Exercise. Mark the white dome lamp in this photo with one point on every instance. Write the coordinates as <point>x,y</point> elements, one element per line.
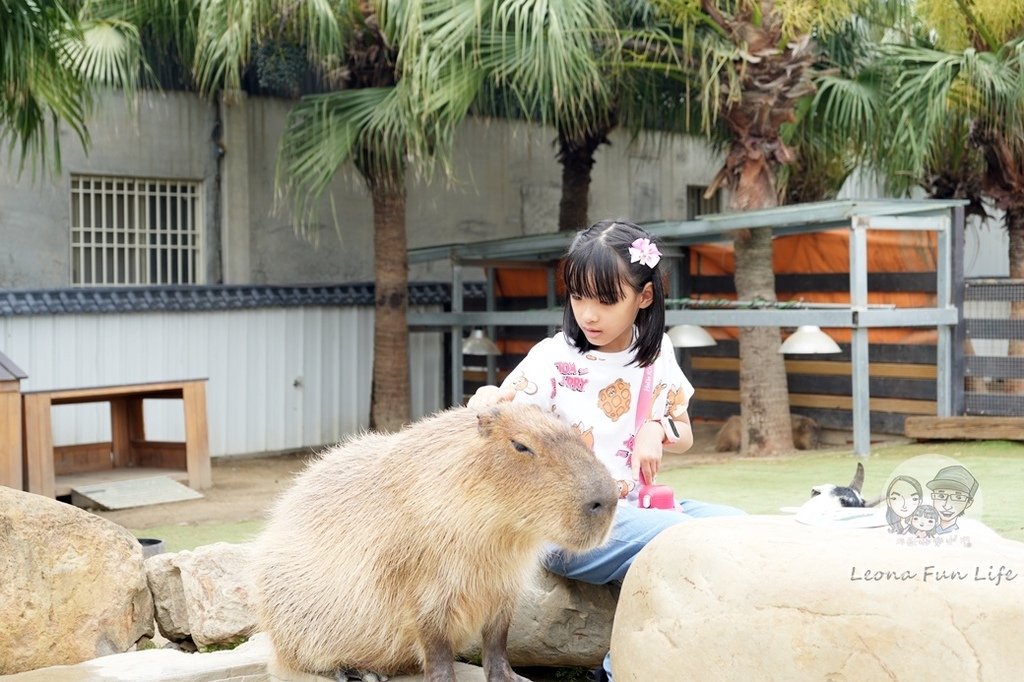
<point>477,343</point>
<point>809,340</point>
<point>690,336</point>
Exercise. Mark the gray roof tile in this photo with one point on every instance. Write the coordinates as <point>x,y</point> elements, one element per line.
<point>215,297</point>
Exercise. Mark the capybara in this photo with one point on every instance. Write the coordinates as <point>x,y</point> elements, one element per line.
<point>391,552</point>
<point>806,433</point>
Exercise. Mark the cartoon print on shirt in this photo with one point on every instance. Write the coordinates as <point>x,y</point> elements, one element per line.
<point>614,399</point>
<point>625,487</point>
<point>573,378</point>
<point>676,403</point>
<point>654,398</point>
<point>522,383</point>
<point>587,436</point>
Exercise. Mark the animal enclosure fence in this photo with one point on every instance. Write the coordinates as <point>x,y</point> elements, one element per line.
<point>993,364</point>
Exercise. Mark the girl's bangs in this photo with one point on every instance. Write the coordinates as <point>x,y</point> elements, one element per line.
<point>594,273</point>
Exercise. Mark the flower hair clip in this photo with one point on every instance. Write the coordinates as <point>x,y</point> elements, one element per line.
<point>645,252</point>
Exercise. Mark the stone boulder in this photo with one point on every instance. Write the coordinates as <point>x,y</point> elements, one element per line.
<point>73,585</point>
<point>245,663</point>
<point>768,598</point>
<point>560,622</point>
<point>205,595</point>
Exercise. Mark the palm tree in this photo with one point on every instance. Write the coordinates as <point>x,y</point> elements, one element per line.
<point>544,62</point>
<point>957,91</point>
<point>752,64</point>
<point>390,101</point>
<point>41,85</point>
<point>568,77</point>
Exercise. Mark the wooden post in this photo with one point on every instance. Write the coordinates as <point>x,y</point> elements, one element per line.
<point>11,472</point>
<point>197,449</point>
<point>39,473</point>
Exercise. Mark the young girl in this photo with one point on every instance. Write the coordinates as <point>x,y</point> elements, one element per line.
<point>590,375</point>
<point>923,521</point>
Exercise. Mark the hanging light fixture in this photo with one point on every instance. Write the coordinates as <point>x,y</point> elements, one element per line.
<point>477,343</point>
<point>690,336</point>
<point>809,339</point>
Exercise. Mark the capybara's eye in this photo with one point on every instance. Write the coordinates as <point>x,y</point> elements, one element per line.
<point>521,448</point>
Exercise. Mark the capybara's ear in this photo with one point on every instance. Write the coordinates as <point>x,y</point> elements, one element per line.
<point>486,420</point>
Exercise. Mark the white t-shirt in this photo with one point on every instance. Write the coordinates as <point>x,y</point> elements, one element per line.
<point>597,394</point>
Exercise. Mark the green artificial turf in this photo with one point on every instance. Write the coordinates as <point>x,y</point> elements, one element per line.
<point>181,537</point>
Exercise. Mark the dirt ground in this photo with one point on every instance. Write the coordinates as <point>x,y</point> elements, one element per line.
<point>244,488</point>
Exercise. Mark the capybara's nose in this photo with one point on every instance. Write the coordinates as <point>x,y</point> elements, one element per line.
<point>601,503</point>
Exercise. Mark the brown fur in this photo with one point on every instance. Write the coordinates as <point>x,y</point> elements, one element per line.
<point>392,551</point>
<point>806,433</point>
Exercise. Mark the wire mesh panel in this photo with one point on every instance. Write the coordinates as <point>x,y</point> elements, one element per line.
<point>994,347</point>
<point>135,231</point>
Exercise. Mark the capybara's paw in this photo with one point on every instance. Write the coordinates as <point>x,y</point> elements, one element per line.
<point>360,675</point>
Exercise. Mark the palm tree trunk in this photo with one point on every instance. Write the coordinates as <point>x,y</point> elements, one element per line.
<point>572,208</point>
<point>576,155</point>
<point>389,402</point>
<point>764,394</point>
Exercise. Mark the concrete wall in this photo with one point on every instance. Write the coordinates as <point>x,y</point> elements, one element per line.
<point>170,137</point>
<point>506,184</point>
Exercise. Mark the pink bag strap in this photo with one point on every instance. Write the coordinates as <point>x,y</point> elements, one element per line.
<point>643,404</point>
<point>643,401</point>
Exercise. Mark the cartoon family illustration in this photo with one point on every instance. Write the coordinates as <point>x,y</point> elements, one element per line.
<point>909,513</point>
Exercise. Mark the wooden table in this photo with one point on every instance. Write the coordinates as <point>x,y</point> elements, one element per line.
<point>128,446</point>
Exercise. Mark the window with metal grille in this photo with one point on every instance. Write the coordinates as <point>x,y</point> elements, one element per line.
<point>697,205</point>
<point>135,231</point>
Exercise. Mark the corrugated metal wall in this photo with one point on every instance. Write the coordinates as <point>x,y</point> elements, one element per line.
<point>279,379</point>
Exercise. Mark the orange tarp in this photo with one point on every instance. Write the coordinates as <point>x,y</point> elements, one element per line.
<point>829,252</point>
<point>826,252</point>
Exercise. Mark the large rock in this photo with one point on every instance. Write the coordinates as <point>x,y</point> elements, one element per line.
<point>560,622</point>
<point>245,663</point>
<point>72,585</point>
<point>252,661</point>
<point>767,598</point>
<point>205,595</point>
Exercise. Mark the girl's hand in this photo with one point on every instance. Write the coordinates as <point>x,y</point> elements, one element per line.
<point>647,451</point>
<point>486,396</point>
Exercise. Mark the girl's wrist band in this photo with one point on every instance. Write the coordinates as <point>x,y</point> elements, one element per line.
<point>668,427</point>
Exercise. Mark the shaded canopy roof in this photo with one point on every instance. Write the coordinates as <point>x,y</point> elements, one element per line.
<point>784,220</point>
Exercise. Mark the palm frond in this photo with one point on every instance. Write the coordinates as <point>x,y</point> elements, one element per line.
<point>548,57</point>
<point>109,54</point>
<point>225,32</point>
<point>366,127</point>
<point>40,87</point>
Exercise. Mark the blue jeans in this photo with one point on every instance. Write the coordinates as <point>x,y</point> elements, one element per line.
<point>632,529</point>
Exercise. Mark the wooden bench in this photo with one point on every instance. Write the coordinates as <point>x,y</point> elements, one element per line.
<point>965,428</point>
<point>128,447</point>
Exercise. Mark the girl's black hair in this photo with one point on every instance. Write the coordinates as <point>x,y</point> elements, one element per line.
<point>597,266</point>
